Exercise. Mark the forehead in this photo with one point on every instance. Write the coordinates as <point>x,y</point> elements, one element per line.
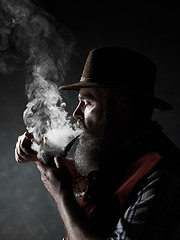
<point>91,93</point>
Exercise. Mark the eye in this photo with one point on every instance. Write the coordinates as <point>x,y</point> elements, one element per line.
<point>87,103</point>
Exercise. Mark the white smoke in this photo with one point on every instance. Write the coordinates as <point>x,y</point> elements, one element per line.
<point>46,53</point>
<point>45,116</point>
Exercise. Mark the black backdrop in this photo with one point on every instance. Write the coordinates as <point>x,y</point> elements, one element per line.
<point>27,211</point>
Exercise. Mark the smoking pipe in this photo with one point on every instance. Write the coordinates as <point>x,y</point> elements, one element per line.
<point>63,153</point>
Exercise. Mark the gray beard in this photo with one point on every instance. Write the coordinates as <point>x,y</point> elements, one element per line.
<point>91,151</point>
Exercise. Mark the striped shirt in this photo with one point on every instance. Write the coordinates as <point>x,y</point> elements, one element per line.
<point>130,226</point>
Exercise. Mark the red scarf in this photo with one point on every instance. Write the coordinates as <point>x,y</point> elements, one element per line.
<point>137,171</point>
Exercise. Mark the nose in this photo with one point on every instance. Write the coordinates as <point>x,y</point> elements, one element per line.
<point>78,113</point>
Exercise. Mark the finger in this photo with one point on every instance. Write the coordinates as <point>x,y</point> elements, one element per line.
<point>16,154</point>
<point>71,167</point>
<point>23,151</point>
<point>25,134</point>
<point>20,151</point>
<point>19,138</point>
<point>28,135</point>
<point>25,145</point>
<point>59,161</point>
<point>24,157</point>
<point>18,158</point>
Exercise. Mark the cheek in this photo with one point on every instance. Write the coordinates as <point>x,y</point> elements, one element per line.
<point>89,119</point>
<point>92,118</point>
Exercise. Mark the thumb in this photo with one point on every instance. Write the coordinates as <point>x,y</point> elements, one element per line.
<point>61,165</point>
<point>59,161</point>
<point>28,135</point>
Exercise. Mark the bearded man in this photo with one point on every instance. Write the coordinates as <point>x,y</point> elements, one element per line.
<point>125,167</point>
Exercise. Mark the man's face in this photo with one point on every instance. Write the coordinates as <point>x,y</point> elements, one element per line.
<point>90,108</point>
<point>92,146</point>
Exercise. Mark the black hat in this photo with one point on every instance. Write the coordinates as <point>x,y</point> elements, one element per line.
<point>122,68</point>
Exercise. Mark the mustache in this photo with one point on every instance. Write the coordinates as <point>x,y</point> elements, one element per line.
<point>81,125</point>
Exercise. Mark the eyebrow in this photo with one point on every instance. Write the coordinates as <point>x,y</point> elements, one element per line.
<point>86,96</point>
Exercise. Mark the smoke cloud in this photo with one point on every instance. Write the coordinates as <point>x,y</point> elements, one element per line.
<point>28,34</point>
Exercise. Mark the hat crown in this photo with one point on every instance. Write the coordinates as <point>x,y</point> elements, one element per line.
<point>120,67</point>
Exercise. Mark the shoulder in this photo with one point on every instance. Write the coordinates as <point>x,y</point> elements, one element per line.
<point>154,212</point>
<point>131,225</point>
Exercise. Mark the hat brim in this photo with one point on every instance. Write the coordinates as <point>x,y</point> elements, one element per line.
<point>159,104</point>
<point>77,86</point>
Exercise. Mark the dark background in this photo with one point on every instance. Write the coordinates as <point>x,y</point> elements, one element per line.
<point>27,211</point>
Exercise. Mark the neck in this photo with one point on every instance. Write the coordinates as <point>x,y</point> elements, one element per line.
<point>125,151</point>
<point>125,135</point>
